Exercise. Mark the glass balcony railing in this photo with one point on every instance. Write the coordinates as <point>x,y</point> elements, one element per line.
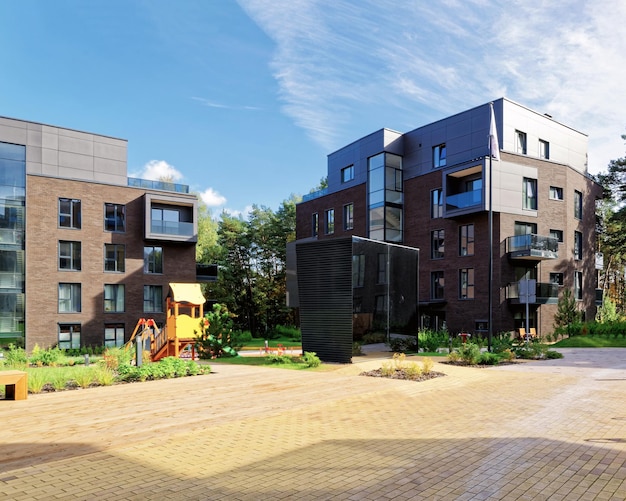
<point>533,246</point>
<point>157,185</point>
<point>314,195</point>
<point>464,200</point>
<point>171,228</point>
<point>545,292</point>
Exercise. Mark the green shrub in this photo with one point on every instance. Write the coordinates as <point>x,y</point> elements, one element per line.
<point>470,353</point>
<point>374,338</point>
<point>413,370</point>
<point>50,357</point>
<point>311,359</point>
<point>431,341</point>
<point>83,376</point>
<point>59,379</point>
<point>388,369</point>
<point>402,344</point>
<point>274,358</point>
<point>285,331</point>
<point>427,365</point>
<point>215,336</point>
<point>487,358</point>
<point>116,357</point>
<point>104,376</point>
<point>15,357</point>
<point>551,354</point>
<point>36,380</point>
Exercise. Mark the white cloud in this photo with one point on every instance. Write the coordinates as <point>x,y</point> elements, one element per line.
<point>339,62</point>
<point>212,198</point>
<point>159,169</point>
<point>245,214</point>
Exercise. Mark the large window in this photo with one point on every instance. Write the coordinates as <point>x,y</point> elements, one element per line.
<point>348,217</point>
<point>347,174</point>
<point>529,194</point>
<point>114,298</point>
<point>69,255</point>
<point>69,213</point>
<point>114,255</point>
<point>385,197</point>
<point>466,283</point>
<point>439,156</point>
<point>544,149</point>
<point>436,203</point>
<point>437,240</point>
<point>69,298</point>
<point>113,335</point>
<point>152,298</point>
<point>69,336</point>
<point>520,142</point>
<point>329,221</point>
<point>578,205</point>
<point>153,259</point>
<point>436,285</point>
<point>114,217</point>
<point>578,245</point>
<point>315,224</point>
<point>466,240</point>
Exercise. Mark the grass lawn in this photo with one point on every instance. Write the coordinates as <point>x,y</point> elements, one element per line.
<point>264,361</point>
<point>257,343</point>
<point>590,342</point>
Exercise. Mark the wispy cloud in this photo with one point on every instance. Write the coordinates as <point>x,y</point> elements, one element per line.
<point>212,104</point>
<point>335,62</point>
<point>157,170</point>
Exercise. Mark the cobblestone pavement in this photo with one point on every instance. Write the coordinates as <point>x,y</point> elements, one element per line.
<point>532,431</point>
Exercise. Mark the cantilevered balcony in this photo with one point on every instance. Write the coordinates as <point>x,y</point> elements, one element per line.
<point>464,200</point>
<point>532,247</point>
<point>545,292</point>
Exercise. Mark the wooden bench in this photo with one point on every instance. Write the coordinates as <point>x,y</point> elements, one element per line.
<point>15,384</point>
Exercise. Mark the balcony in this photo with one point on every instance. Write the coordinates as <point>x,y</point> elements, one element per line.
<point>171,218</point>
<point>546,293</point>
<point>316,194</point>
<point>157,185</point>
<point>532,247</point>
<point>206,273</point>
<point>599,297</point>
<point>464,200</point>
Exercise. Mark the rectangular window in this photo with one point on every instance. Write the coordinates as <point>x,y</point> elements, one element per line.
<point>69,213</point>
<point>439,156</point>
<point>466,283</point>
<point>556,193</point>
<point>348,217</point>
<point>544,149</point>
<point>558,234</point>
<point>358,270</point>
<point>521,228</point>
<point>113,335</point>
<point>114,217</point>
<point>556,278</point>
<point>315,224</point>
<point>114,298</point>
<point>347,174</point>
<point>69,255</point>
<point>466,240</point>
<point>69,336</point>
<point>436,203</point>
<point>153,259</point>
<point>578,285</point>
<point>529,194</point>
<point>329,226</point>
<point>69,298</point>
<point>382,269</point>
<point>152,298</point>
<point>437,239</point>
<point>520,142</point>
<point>578,245</point>
<point>114,255</point>
<point>436,285</point>
<point>578,205</point>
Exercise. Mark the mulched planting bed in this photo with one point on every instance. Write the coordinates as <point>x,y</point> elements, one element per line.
<point>401,374</point>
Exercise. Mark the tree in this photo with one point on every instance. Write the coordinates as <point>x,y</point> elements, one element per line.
<point>607,312</point>
<point>566,312</point>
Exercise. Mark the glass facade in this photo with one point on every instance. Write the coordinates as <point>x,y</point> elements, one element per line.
<point>385,197</point>
<point>12,227</point>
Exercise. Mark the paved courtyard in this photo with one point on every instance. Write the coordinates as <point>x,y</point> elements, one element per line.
<point>532,431</point>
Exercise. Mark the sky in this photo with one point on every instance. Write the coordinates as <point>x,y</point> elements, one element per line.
<point>243,100</point>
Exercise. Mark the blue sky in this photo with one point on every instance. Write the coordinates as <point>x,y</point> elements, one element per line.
<point>243,100</point>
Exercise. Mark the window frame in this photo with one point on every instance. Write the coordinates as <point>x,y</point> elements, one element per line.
<point>67,344</point>
<point>75,263</point>
<point>558,234</point>
<point>149,298</point>
<point>544,149</point>
<point>436,203</point>
<point>556,193</point>
<point>469,240</point>
<point>73,215</point>
<point>119,264</point>
<point>437,242</point>
<point>578,245</point>
<point>437,285</point>
<point>529,202</point>
<point>557,277</point>
<point>347,174</point>
<point>468,286</point>
<point>74,299</point>
<point>348,216</point>
<point>315,224</point>
<point>578,204</point>
<point>439,156</point>
<point>111,293</point>
<point>578,285</point>
<point>117,341</point>
<point>115,219</point>
<point>329,221</point>
<point>521,142</point>
<point>147,261</point>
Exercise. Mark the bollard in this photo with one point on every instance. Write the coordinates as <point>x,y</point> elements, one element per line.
<point>138,350</point>
<point>86,360</point>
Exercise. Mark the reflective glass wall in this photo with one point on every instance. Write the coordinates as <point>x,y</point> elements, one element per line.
<point>12,226</point>
<point>385,197</point>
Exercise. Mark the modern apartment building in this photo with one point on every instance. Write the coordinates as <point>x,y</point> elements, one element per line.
<point>85,251</point>
<point>432,188</point>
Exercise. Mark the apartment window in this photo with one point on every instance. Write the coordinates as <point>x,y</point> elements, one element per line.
<point>315,224</point>
<point>113,335</point>
<point>358,270</point>
<point>466,283</point>
<point>114,298</point>
<point>69,255</point>
<point>69,336</point>
<point>69,298</point>
<point>544,149</point>
<point>114,255</point>
<point>381,304</point>
<point>556,193</point>
<point>558,234</point>
<point>529,193</point>
<point>436,203</point>
<point>556,278</point>
<point>436,285</point>
<point>347,174</point>
<point>466,240</point>
<point>329,221</point>
<point>114,217</point>
<point>69,213</point>
<point>520,142</point>
<point>578,285</point>
<point>348,217</point>
<point>381,277</point>
<point>439,156</point>
<point>578,245</point>
<point>578,205</point>
<point>521,228</point>
<point>437,244</point>
<point>152,298</point>
<point>153,259</point>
